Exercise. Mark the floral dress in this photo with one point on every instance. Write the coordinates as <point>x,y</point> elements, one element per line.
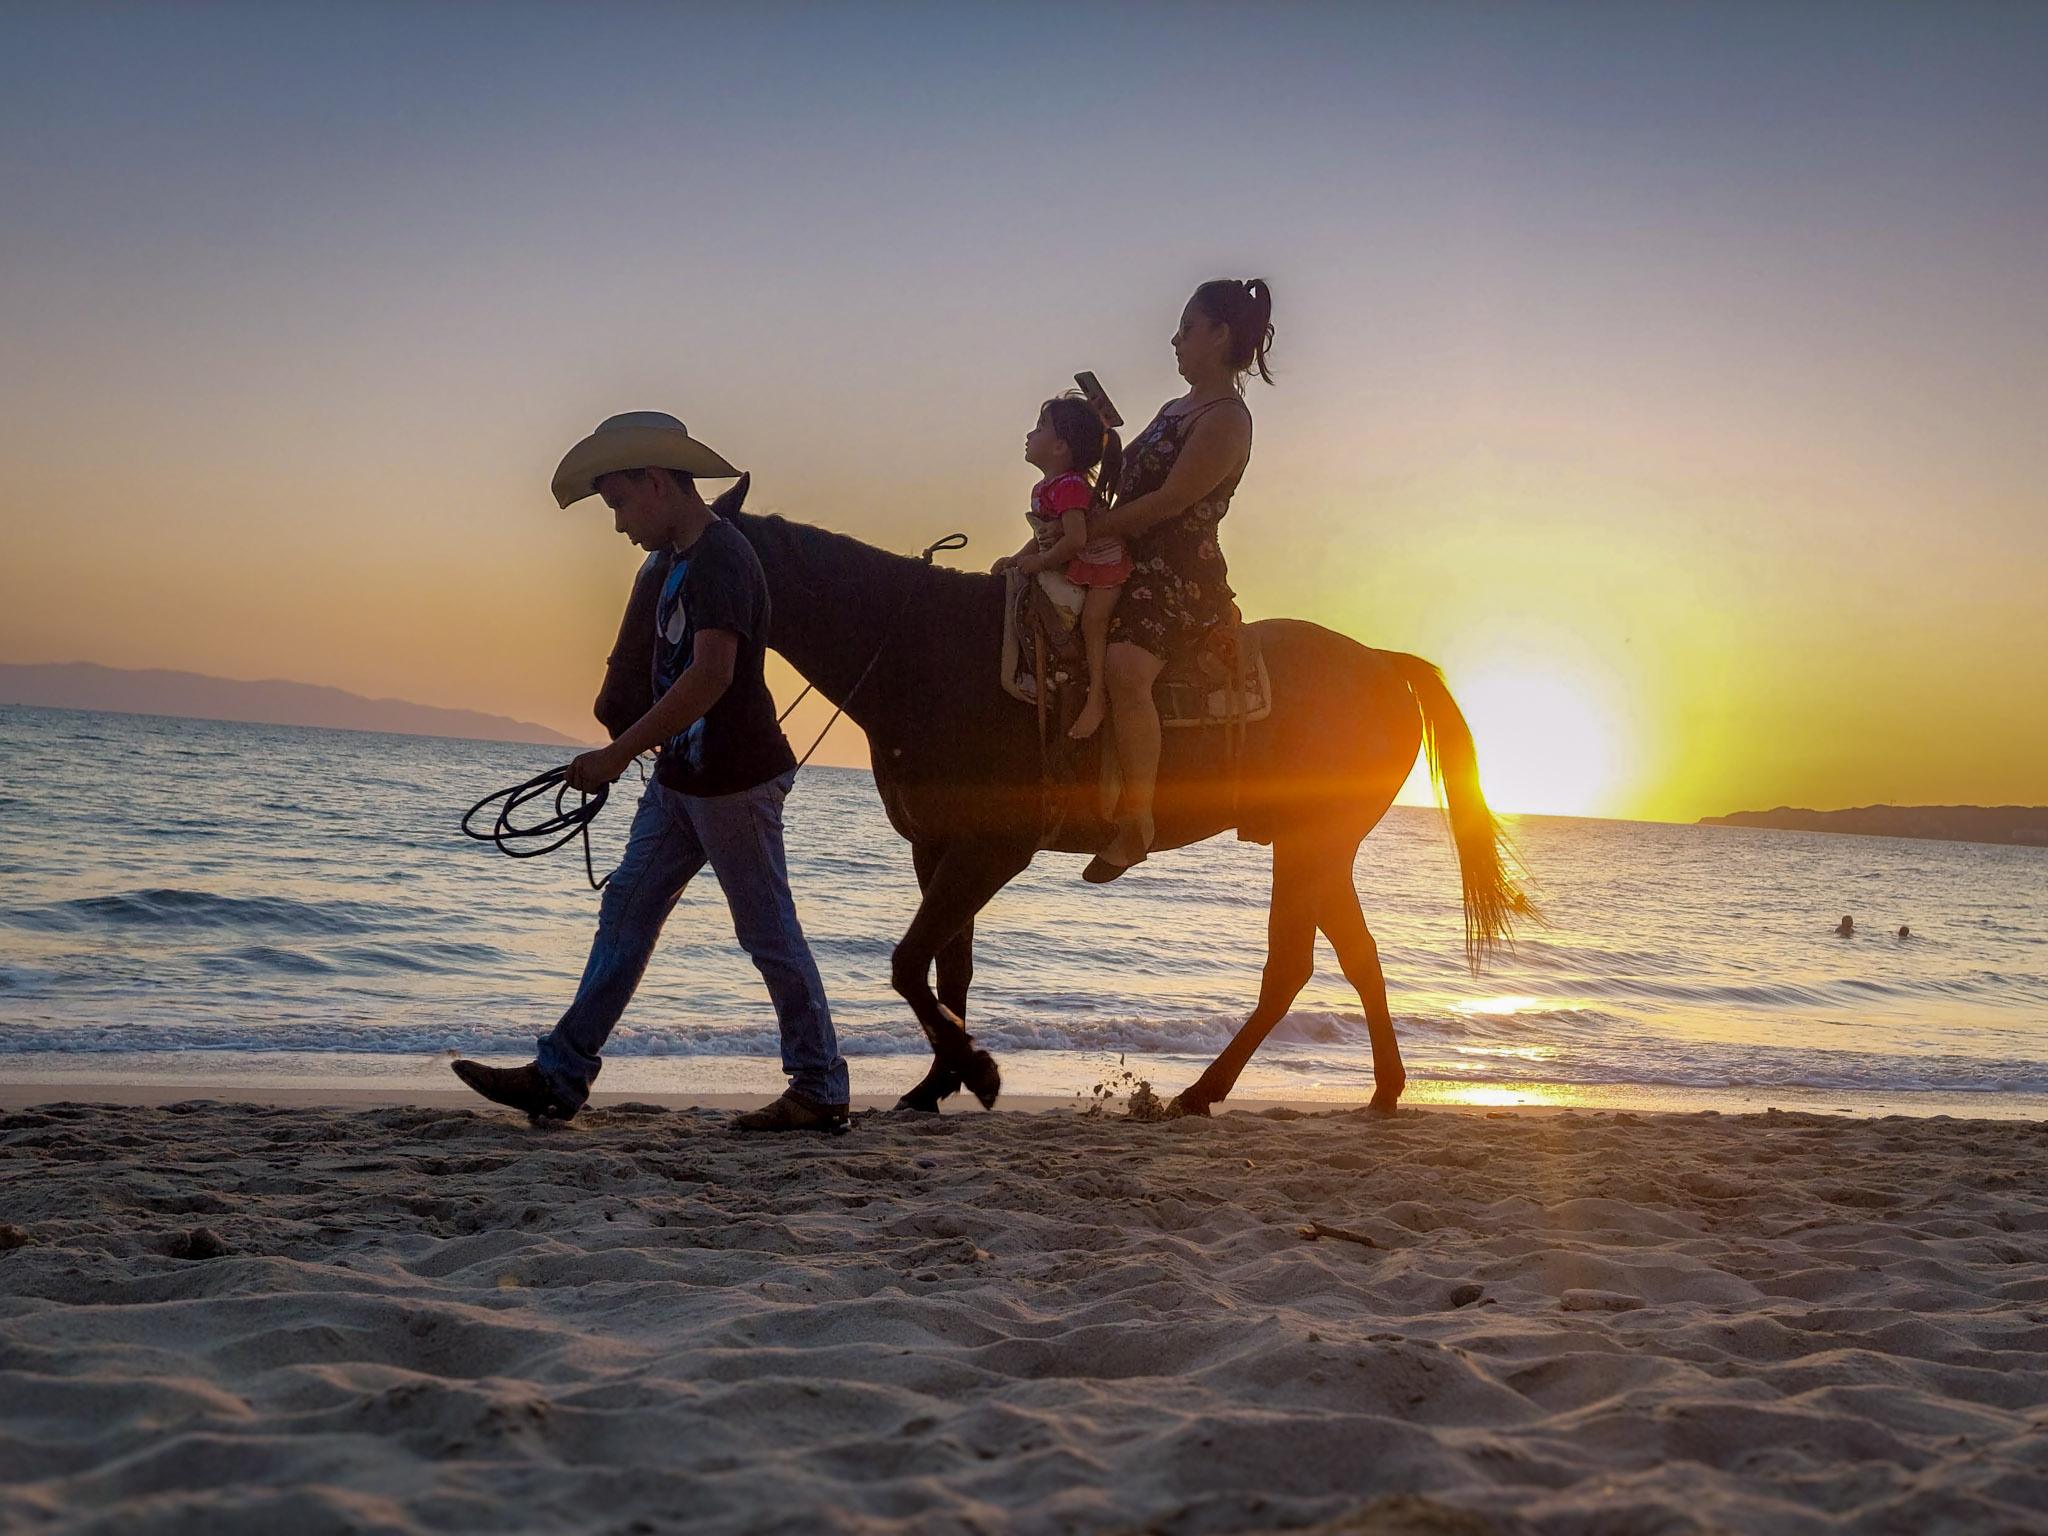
<point>1178,589</point>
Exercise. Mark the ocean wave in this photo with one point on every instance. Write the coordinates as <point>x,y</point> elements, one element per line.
<point>1056,1022</point>
<point>1328,1046</point>
<point>438,955</point>
<point>1820,995</point>
<point>1856,1073</point>
<point>264,960</point>
<point>370,1039</point>
<point>172,907</point>
<point>890,1035</point>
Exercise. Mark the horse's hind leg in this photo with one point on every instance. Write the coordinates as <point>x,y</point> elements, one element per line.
<point>1344,926</point>
<point>958,881</point>
<point>1299,868</point>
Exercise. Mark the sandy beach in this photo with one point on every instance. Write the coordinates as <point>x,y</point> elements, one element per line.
<point>235,1317</point>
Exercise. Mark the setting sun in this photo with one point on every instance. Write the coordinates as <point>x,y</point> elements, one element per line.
<point>1548,744</point>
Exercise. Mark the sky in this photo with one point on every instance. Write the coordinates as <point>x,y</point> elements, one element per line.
<point>1671,375</point>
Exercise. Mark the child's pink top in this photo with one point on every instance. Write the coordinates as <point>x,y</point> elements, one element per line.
<point>1052,499</point>
<point>1103,563</point>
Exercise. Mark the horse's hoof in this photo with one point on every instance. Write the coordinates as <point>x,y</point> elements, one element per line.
<point>1384,1103</point>
<point>1187,1104</point>
<point>984,1079</point>
<point>926,1097</point>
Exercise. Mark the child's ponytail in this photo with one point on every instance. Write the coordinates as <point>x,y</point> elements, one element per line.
<point>1111,470</point>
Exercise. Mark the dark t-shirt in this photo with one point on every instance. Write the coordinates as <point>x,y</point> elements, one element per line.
<point>717,583</point>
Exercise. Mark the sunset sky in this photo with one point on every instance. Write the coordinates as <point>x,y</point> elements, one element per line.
<point>1674,376</point>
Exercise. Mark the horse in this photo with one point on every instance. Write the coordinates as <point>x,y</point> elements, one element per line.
<point>911,652</point>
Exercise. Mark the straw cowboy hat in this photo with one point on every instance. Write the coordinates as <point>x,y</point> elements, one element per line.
<point>636,440</point>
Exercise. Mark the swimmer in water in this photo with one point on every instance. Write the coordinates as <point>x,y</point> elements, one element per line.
<point>1846,928</point>
<point>1905,932</point>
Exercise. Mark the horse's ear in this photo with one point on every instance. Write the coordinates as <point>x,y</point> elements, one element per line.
<point>729,501</point>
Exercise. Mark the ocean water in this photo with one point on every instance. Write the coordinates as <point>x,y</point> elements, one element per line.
<point>207,902</point>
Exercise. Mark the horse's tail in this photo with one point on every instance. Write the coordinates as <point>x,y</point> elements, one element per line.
<point>1486,858</point>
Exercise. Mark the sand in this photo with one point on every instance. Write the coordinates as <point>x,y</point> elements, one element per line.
<point>229,1318</point>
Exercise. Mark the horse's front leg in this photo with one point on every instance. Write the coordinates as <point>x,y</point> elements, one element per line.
<point>956,971</point>
<point>958,881</point>
<point>956,955</point>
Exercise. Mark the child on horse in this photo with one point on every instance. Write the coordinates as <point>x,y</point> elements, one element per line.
<point>1069,441</point>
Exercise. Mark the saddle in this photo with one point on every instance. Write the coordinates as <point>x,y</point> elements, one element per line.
<point>1224,683</point>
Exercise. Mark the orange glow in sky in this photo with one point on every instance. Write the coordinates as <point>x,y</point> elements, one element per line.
<point>1701,448</point>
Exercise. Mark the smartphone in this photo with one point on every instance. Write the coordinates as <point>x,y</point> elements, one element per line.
<point>1092,388</point>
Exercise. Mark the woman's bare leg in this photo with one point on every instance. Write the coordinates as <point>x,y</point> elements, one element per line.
<point>1096,608</point>
<point>1132,671</point>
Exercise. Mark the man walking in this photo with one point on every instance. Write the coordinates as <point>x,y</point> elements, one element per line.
<point>716,795</point>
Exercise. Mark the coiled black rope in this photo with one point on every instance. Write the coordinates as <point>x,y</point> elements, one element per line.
<point>570,822</point>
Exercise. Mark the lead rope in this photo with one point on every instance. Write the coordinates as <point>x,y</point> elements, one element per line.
<point>568,822</point>
<point>573,821</point>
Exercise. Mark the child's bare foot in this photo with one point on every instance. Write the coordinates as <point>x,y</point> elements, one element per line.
<point>1089,721</point>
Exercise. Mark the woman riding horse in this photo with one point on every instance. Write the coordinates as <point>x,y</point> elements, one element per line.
<point>1177,481</point>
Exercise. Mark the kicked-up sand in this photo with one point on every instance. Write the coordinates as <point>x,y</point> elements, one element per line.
<point>220,1318</point>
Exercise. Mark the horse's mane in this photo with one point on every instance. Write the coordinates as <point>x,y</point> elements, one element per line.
<point>822,558</point>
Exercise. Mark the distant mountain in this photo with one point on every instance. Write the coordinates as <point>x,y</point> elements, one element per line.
<point>2023,824</point>
<point>120,690</point>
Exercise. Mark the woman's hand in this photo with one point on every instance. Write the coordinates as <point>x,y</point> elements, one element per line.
<point>1218,446</point>
<point>1003,563</point>
<point>593,770</point>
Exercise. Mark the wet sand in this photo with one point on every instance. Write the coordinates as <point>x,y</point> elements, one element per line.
<point>433,1317</point>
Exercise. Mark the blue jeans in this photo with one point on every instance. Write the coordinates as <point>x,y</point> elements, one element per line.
<point>675,835</point>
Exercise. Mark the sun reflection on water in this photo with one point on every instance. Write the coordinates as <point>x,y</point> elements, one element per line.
<point>1496,1095</point>
<point>1504,1006</point>
<point>1494,1052</point>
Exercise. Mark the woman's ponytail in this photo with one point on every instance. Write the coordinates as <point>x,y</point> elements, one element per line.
<point>1260,303</point>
